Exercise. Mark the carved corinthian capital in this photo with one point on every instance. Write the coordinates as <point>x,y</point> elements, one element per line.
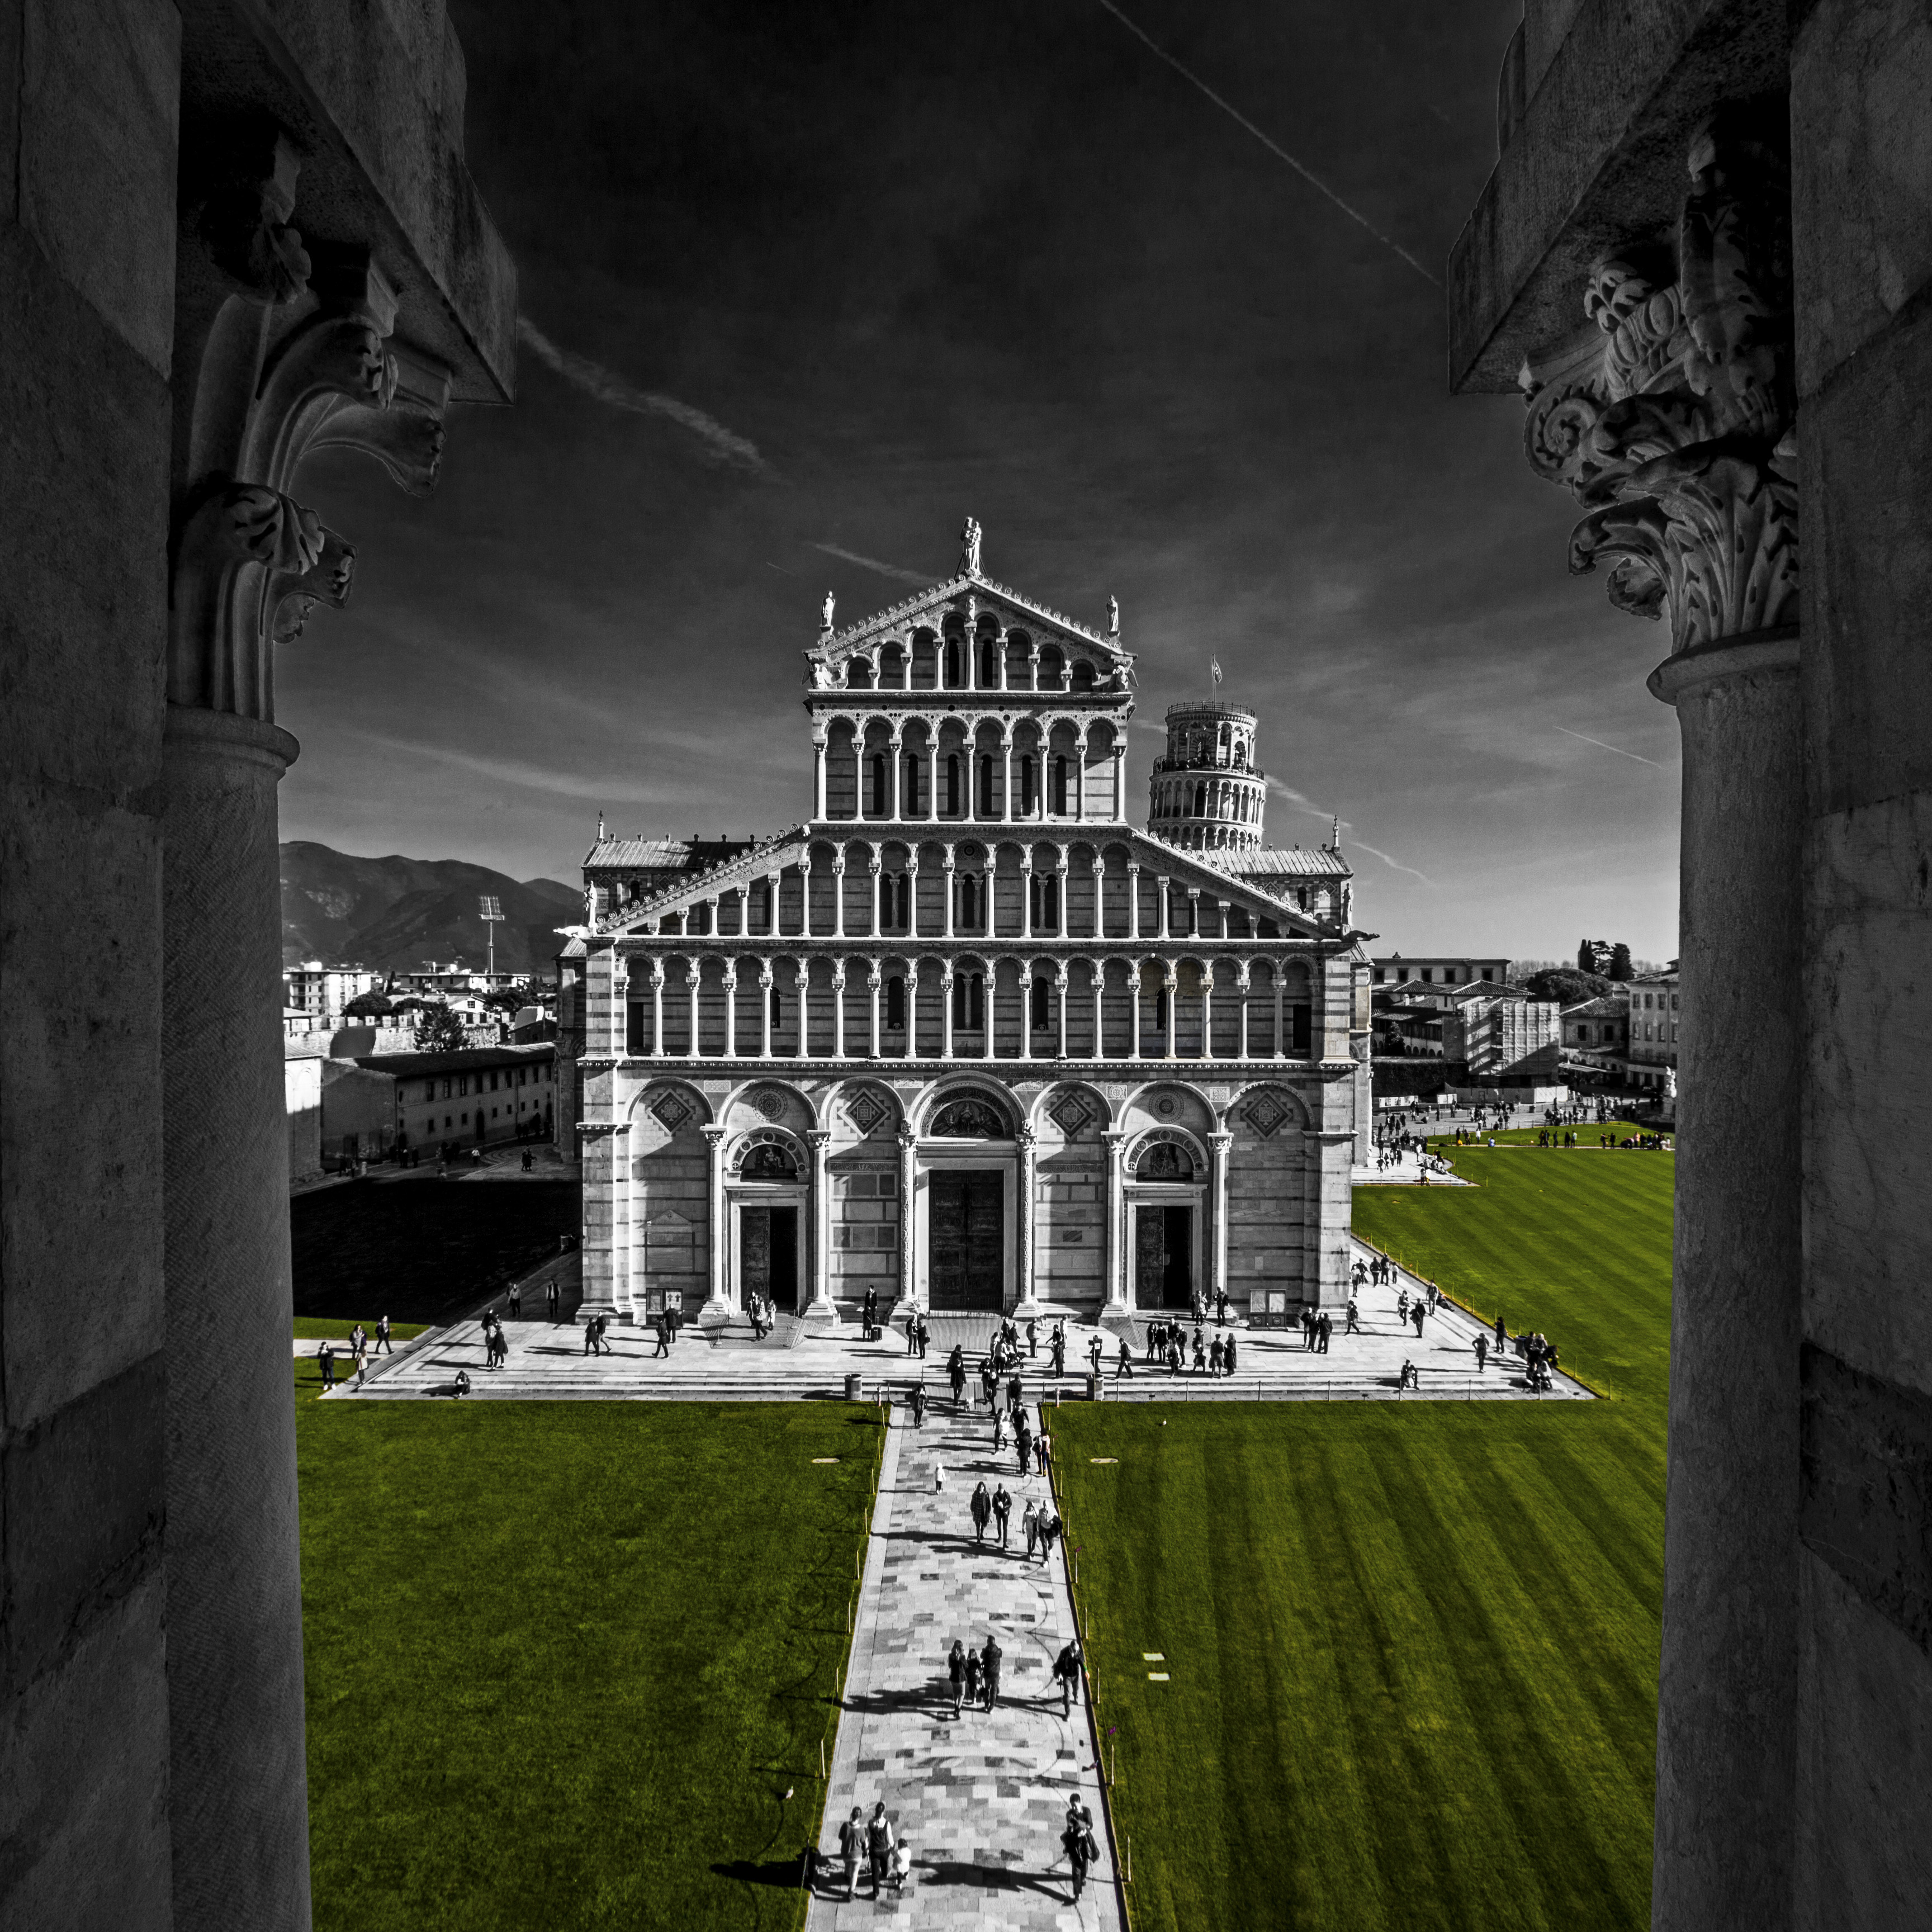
<point>1669,416</point>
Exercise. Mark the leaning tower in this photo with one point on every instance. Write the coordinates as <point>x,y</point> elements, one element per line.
<point>1206,794</point>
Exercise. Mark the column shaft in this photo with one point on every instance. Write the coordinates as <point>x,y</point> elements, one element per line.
<point>1218,1145</point>
<point>717,1304</point>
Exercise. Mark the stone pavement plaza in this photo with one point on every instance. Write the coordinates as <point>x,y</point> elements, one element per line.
<point>547,1362</point>
<point>979,1801</point>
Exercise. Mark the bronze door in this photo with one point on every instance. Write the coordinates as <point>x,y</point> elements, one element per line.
<point>967,1230</point>
<point>1163,1257</point>
<point>768,1255</point>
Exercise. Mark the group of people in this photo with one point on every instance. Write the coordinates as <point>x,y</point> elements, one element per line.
<point>495,1343</point>
<point>358,1350</point>
<point>992,1511</point>
<point>1168,1341</point>
<point>870,1846</point>
<point>594,1342</point>
<point>762,1312</point>
<point>917,1333</point>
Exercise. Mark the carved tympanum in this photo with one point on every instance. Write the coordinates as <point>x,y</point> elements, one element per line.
<point>1669,417</point>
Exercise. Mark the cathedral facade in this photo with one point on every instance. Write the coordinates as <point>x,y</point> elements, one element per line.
<point>966,1036</point>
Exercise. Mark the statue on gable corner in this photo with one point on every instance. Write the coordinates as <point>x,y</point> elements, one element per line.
<point>969,549</point>
<point>826,608</point>
<point>1113,616</point>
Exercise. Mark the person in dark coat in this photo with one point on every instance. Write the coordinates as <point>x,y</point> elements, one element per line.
<point>382,1336</point>
<point>955,1672</point>
<point>981,1507</point>
<point>989,1670</point>
<point>1067,1668</point>
<point>972,1679</point>
<point>1227,1356</point>
<point>325,1355</point>
<point>1002,1511</point>
<point>1076,1841</point>
<point>955,1370</point>
<point>1023,1441</point>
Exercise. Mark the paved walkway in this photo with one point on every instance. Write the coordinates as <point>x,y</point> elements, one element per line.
<point>547,1362</point>
<point>979,1801</point>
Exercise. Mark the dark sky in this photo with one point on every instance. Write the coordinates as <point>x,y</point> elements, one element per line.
<point>889,265</point>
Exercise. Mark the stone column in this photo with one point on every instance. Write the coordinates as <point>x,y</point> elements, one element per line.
<point>764,1010</point>
<point>1098,864</point>
<point>1163,885</point>
<point>1170,981</point>
<point>1060,981</point>
<point>1133,901</point>
<point>1133,1009</point>
<point>1671,417</point>
<point>1119,779</point>
<point>1218,1145</point>
<point>1241,988</point>
<point>818,775</point>
<point>802,987</point>
<point>946,1002</point>
<point>1029,926</point>
<point>838,892</point>
<point>775,881</point>
<point>910,1286</point>
<point>896,753</point>
<point>1117,1317</point>
<point>951,865</point>
<point>694,974</point>
<point>874,979</point>
<point>1006,763</point>
<point>876,867</point>
<point>717,1309</point>
<point>1207,1013</point>
<point>838,1009</point>
<point>1026,1216</point>
<point>1193,912</point>
<point>1280,1010</point>
<point>730,1010</point>
<point>1098,967</point>
<point>605,1146</point>
<point>912,892</point>
<point>1060,870</point>
<point>657,1008</point>
<point>1023,965</point>
<point>822,1312</point>
<point>1080,776</point>
<point>805,893</point>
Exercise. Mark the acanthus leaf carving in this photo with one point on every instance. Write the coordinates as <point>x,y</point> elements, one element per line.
<point>1669,417</point>
<point>293,594</point>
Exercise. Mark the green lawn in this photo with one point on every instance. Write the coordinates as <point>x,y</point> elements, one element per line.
<point>1412,1650</point>
<point>322,1328</point>
<point>564,1659</point>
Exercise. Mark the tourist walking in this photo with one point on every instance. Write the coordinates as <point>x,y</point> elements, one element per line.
<point>1066,1675</point>
<point>972,1680</point>
<point>382,1336</point>
<point>924,1332</point>
<point>879,1846</point>
<point>1059,1347</point>
<point>1227,1356</point>
<point>1325,1328</point>
<point>955,1372</point>
<point>999,1428</point>
<point>1032,1337</point>
<point>1030,1522</point>
<point>1003,1510</point>
<point>918,1405</point>
<point>1022,1441</point>
<point>516,1299</point>
<point>1078,1841</point>
<point>852,1848</point>
<point>981,1509</point>
<point>1123,1361</point>
<point>912,1332</point>
<point>1354,1322</point>
<point>1043,1448</point>
<point>955,1672</point>
<point>989,1670</point>
<point>550,1299</point>
<point>325,1355</point>
<point>590,1336</point>
<point>1416,1314</point>
<point>1482,1350</point>
<point>661,1328</point>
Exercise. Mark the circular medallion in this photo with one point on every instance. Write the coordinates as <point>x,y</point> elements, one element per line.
<point>769,1103</point>
<point>1164,1106</point>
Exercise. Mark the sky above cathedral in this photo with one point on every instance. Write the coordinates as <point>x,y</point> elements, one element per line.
<point>803,287</point>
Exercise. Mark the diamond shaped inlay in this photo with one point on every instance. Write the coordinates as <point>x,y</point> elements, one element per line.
<point>1069,1113</point>
<point>866,1110</point>
<point>1266,1113</point>
<point>672,1111</point>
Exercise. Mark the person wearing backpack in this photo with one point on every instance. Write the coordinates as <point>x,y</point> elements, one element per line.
<point>879,1846</point>
<point>852,1848</point>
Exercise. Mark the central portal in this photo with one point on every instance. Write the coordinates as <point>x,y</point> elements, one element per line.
<point>1163,1257</point>
<point>768,1256</point>
<point>968,1230</point>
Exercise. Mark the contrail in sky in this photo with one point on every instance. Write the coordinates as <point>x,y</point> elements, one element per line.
<point>606,385</point>
<point>1618,748</point>
<point>1302,802</point>
<point>1272,146</point>
<point>919,577</point>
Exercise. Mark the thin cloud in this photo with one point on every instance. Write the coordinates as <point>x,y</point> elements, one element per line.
<point>1301,801</point>
<point>1618,748</point>
<point>921,578</point>
<point>606,386</point>
<point>1274,147</point>
<point>603,790</point>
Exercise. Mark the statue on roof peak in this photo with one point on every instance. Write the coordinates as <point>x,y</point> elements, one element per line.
<point>1113,616</point>
<point>969,549</point>
<point>825,610</point>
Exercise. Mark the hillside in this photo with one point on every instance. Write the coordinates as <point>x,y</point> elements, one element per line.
<point>395,913</point>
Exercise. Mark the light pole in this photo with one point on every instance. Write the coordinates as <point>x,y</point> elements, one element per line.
<point>493,911</point>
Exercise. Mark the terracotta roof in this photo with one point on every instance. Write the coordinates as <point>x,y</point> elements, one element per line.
<point>464,1060</point>
<point>663,854</point>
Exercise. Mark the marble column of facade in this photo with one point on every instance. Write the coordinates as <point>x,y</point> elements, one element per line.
<point>1060,871</point>
<point>1080,777</point>
<point>765,982</point>
<point>802,993</point>
<point>1098,968</point>
<point>730,1009</point>
<point>1060,986</point>
<point>1030,926</point>
<point>951,867</point>
<point>838,892</point>
<point>1170,985</point>
<point>1280,1010</point>
<point>896,753</point>
<point>1164,889</point>
<point>910,1287</point>
<point>1023,967</point>
<point>838,1009</point>
<point>1207,1013</point>
<point>1133,901</point>
<point>1007,768</point>
<point>1242,989</point>
<point>805,894</point>
<point>1116,1318</point>
<point>822,1312</point>
<point>876,866</point>
<point>1026,1182</point>
<point>717,1309</point>
<point>946,1005</point>
<point>694,974</point>
<point>1120,780</point>
<point>1133,1009</point>
<point>657,1008</point>
<point>1218,1145</point>
<point>818,776</point>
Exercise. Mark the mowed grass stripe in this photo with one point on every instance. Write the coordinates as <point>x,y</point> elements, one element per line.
<point>1413,1648</point>
<point>564,1658</point>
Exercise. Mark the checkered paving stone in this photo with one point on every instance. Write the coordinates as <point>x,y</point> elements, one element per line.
<point>979,1800</point>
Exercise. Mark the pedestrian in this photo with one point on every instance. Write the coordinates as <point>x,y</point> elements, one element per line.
<point>879,1846</point>
<point>989,1670</point>
<point>550,1299</point>
<point>1401,1308</point>
<point>1093,1348</point>
<point>1030,1522</point>
<point>1075,1839</point>
<point>590,1335</point>
<point>972,1680</point>
<point>955,1674</point>
<point>981,1508</point>
<point>1502,1335</point>
<point>1325,1327</point>
<point>924,1333</point>
<point>871,1312</point>
<point>1042,1447</point>
<point>382,1336</point>
<point>1420,1309</point>
<point>1049,1528</point>
<point>999,1428</point>
<point>1003,1510</point>
<point>1227,1356</point>
<point>1033,1337</point>
<point>851,1848</point>
<point>1221,1308</point>
<point>1023,1442</point>
<point>939,1479</point>
<point>462,1387</point>
<point>1066,1675</point>
<point>1060,1348</point>
<point>1014,1391</point>
<point>955,1370</point>
<point>1354,1322</point>
<point>918,1405</point>
<point>1123,1361</point>
<point>358,1341</point>
<point>661,1328</point>
<point>912,1333</point>
<point>516,1299</point>
<point>325,1355</point>
<point>1200,1354</point>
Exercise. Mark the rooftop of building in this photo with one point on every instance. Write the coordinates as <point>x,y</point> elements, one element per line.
<point>1282,862</point>
<point>463,1059</point>
<point>665,855</point>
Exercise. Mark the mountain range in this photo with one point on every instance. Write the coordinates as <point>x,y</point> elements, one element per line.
<point>394,914</point>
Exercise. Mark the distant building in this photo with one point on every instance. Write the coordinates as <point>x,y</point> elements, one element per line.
<point>476,1096</point>
<point>1596,1033</point>
<point>1654,1011</point>
<point>1395,971</point>
<point>1504,1035</point>
<point>302,1088</point>
<point>322,992</point>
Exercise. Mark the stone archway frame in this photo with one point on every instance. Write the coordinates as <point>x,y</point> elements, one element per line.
<point>930,1153</point>
<point>695,1111</point>
<point>746,1090</point>
<point>1299,1122</point>
<point>1196,1193</point>
<point>735,1192</point>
